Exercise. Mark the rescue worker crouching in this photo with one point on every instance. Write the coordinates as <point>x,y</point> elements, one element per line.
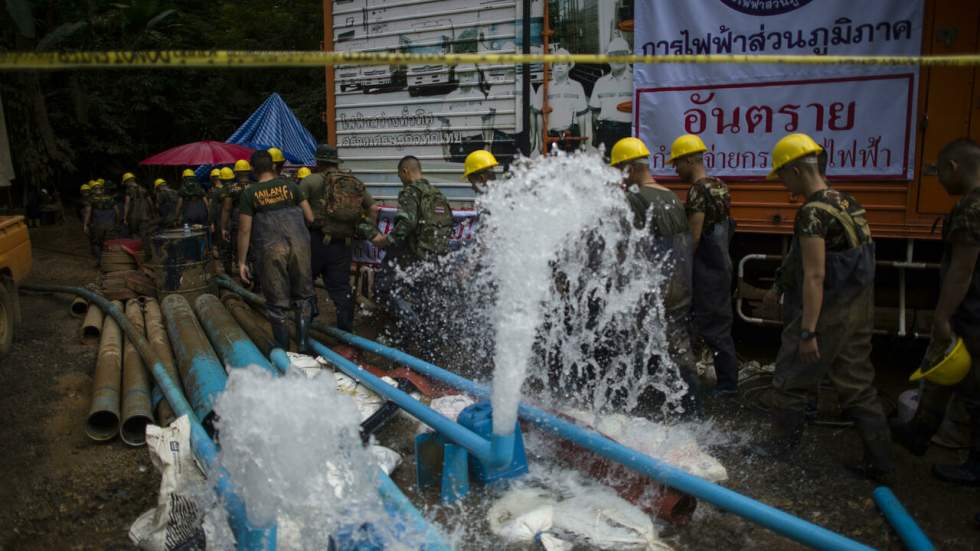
<point>193,204</point>
<point>658,210</point>
<point>137,211</point>
<point>342,211</point>
<point>827,284</point>
<point>708,215</point>
<point>276,212</point>
<point>956,314</point>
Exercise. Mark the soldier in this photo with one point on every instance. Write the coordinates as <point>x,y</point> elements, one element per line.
<point>827,283</point>
<point>243,172</point>
<point>193,204</point>
<point>423,225</point>
<point>478,170</point>
<point>138,210</point>
<point>214,178</point>
<point>342,210</point>
<point>280,213</point>
<point>166,199</point>
<point>610,92</point>
<point>708,206</point>
<point>99,220</point>
<point>303,172</point>
<point>658,210</point>
<point>957,313</point>
<point>230,213</point>
<point>85,194</point>
<point>278,160</point>
<point>226,177</point>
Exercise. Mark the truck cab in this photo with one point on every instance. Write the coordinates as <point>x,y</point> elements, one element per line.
<point>15,265</point>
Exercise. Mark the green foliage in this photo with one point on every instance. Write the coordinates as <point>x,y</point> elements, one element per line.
<point>68,127</point>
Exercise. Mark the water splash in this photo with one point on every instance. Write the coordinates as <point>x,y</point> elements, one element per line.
<point>292,448</point>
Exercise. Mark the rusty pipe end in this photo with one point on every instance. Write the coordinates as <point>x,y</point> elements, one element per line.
<point>133,430</point>
<point>102,425</point>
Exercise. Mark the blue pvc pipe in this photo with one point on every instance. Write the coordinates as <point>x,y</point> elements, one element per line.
<point>474,443</point>
<point>399,507</point>
<point>228,338</point>
<point>903,523</point>
<point>770,517</point>
<point>279,359</point>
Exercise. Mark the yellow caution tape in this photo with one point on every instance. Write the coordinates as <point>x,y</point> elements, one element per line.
<point>13,61</point>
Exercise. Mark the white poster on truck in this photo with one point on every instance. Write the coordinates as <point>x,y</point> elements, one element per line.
<point>863,115</point>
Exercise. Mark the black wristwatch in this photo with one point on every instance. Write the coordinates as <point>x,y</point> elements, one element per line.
<point>807,335</point>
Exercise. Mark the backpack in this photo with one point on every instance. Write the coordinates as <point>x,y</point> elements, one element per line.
<point>435,222</point>
<point>344,198</point>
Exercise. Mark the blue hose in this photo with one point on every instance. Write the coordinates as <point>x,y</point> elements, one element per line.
<point>903,523</point>
<point>774,519</point>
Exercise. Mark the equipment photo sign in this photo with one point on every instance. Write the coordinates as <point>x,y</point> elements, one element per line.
<point>863,115</point>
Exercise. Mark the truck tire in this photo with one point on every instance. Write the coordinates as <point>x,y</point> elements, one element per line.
<point>7,316</point>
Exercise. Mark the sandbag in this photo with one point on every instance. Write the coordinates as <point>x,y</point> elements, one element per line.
<point>606,521</point>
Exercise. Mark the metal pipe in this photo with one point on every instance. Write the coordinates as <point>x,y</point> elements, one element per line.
<point>103,416</point>
<point>79,307</point>
<point>137,411</point>
<point>247,537</point>
<point>903,523</point>
<point>156,334</point>
<point>200,370</point>
<point>232,343</point>
<point>256,326</point>
<point>767,516</point>
<point>92,325</point>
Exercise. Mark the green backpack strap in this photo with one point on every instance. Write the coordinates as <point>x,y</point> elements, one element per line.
<point>846,220</point>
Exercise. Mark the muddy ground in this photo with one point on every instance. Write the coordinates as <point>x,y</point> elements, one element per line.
<point>58,490</point>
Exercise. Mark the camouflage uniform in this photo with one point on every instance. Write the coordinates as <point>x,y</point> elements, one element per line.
<point>167,205</point>
<point>229,249</point>
<point>279,231</point>
<point>330,242</point>
<point>193,210</point>
<point>139,216</point>
<point>662,213</point>
<point>711,307</point>
<point>961,226</point>
<point>844,327</point>
<point>102,221</point>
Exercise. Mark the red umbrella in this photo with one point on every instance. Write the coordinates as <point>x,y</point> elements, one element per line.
<point>200,153</point>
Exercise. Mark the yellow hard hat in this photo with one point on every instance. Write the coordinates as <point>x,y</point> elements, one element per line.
<point>86,187</point>
<point>628,149</point>
<point>791,148</point>
<point>100,181</point>
<point>226,174</point>
<point>128,176</point>
<point>303,172</point>
<point>686,145</point>
<point>215,172</point>
<point>187,173</point>
<point>477,161</point>
<point>159,182</point>
<point>951,369</point>
<point>242,165</point>
<point>276,154</point>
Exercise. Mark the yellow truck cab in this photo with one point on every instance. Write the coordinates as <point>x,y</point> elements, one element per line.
<point>15,265</point>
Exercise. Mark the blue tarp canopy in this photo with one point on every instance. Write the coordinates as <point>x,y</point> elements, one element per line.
<point>273,124</point>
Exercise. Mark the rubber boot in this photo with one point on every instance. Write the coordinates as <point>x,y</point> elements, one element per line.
<point>916,434</point>
<point>878,464</point>
<point>281,334</point>
<point>787,432</point>
<point>302,331</point>
<point>967,474</point>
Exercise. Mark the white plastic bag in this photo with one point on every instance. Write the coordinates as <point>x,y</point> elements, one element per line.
<point>606,521</point>
<point>521,514</point>
<point>177,519</point>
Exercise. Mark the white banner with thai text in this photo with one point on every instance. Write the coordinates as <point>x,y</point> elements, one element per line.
<point>862,114</point>
<point>464,229</point>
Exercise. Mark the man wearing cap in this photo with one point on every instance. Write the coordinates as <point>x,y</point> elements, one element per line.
<point>658,210</point>
<point>137,210</point>
<point>478,170</point>
<point>342,211</point>
<point>708,206</point>
<point>956,315</point>
<point>214,178</point>
<point>278,159</point>
<point>827,284</point>
<point>99,219</point>
<point>193,204</point>
<point>275,208</point>
<point>610,92</point>
<point>166,200</point>
<point>230,213</point>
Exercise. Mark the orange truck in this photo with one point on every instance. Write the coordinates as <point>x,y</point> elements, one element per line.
<point>511,110</point>
<point>15,265</point>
